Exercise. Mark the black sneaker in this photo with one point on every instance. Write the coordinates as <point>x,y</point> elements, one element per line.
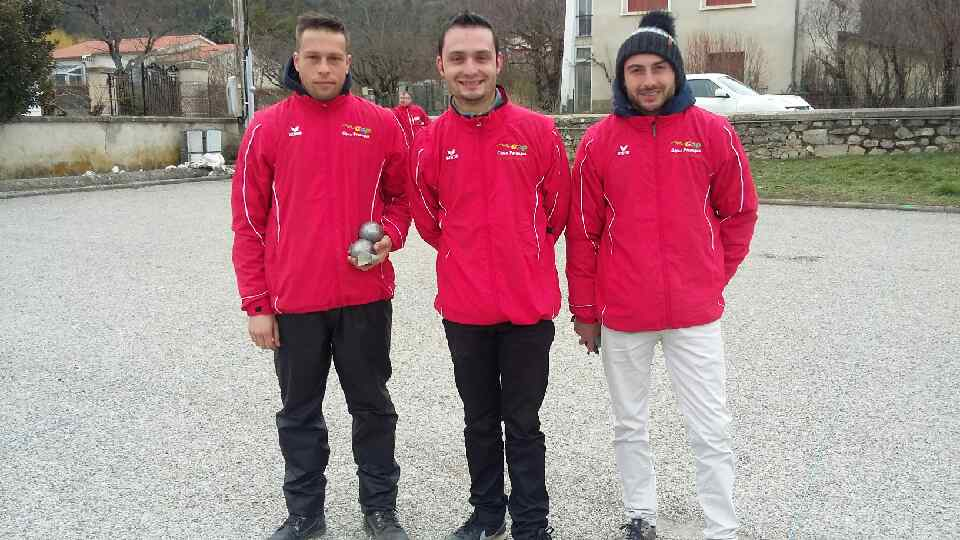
<point>383,525</point>
<point>473,530</point>
<point>639,529</point>
<point>545,533</point>
<point>297,527</point>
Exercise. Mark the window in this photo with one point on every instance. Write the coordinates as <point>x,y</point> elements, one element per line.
<point>728,63</point>
<point>584,17</point>
<point>68,74</point>
<point>641,6</point>
<point>706,4</point>
<point>582,75</point>
<point>702,88</point>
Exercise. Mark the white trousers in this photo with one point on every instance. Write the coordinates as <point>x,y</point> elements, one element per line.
<point>694,358</point>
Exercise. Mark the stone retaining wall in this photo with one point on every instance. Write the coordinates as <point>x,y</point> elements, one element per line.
<point>34,147</point>
<point>826,133</point>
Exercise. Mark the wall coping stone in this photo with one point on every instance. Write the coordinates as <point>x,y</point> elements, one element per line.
<point>120,120</point>
<point>816,115</point>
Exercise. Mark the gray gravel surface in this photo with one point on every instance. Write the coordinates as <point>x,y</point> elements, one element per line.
<point>132,405</point>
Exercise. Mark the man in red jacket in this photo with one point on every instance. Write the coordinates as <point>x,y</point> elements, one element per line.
<point>663,212</point>
<point>310,171</point>
<point>412,117</point>
<point>490,191</point>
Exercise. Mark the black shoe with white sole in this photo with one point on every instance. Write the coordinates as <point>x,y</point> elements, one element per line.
<point>472,529</point>
<point>299,527</point>
<point>384,525</point>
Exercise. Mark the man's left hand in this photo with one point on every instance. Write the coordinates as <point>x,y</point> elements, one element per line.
<point>381,253</point>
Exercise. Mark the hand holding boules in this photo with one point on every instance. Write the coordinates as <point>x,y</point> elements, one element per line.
<point>371,249</point>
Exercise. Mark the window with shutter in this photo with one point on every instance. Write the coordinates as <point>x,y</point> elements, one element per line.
<point>640,6</point>
<point>722,3</point>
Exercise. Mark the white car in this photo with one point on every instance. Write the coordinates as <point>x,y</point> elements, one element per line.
<point>722,94</point>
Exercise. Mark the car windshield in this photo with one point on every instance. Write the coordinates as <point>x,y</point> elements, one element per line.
<point>738,87</point>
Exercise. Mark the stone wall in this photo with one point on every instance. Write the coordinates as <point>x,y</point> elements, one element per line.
<point>32,147</point>
<point>826,133</point>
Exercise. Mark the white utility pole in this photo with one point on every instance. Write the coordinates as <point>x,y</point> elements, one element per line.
<point>241,33</point>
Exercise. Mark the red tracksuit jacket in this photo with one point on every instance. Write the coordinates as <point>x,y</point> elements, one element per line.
<point>308,174</point>
<point>663,212</point>
<point>491,194</point>
<point>412,118</point>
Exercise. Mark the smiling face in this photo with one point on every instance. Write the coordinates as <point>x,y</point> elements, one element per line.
<point>650,82</point>
<point>469,63</point>
<point>322,62</point>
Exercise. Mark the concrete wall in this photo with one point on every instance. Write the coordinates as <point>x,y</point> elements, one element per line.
<point>825,133</point>
<point>52,146</point>
<point>770,23</point>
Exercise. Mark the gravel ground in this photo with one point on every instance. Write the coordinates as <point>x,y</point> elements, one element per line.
<point>132,404</point>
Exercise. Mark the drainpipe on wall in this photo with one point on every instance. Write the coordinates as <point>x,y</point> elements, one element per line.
<point>568,73</point>
<point>796,38</point>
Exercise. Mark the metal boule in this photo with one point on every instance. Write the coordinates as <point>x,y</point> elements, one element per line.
<point>362,250</point>
<point>371,231</point>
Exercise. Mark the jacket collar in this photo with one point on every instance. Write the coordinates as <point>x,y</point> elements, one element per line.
<point>679,103</point>
<point>494,116</point>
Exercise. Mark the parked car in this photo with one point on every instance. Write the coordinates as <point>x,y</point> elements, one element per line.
<point>722,94</point>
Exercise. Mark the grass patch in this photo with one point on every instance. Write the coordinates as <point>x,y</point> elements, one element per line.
<point>925,179</point>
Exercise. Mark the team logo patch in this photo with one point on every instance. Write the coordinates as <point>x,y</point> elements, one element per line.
<point>452,154</point>
<point>624,150</point>
<point>690,147</point>
<point>350,130</point>
<point>516,150</point>
<point>295,132</point>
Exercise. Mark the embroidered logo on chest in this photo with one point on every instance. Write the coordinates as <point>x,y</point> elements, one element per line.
<point>350,130</point>
<point>452,154</point>
<point>624,150</point>
<point>686,147</point>
<point>295,132</point>
<point>512,150</point>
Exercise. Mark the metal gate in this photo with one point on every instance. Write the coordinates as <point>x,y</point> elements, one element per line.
<point>145,91</point>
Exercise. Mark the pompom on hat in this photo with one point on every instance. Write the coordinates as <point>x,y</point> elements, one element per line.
<point>656,35</point>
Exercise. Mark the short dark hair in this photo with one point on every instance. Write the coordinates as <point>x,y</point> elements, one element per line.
<point>468,19</point>
<point>316,21</point>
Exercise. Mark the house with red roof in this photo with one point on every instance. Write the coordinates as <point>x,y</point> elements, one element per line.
<point>89,63</point>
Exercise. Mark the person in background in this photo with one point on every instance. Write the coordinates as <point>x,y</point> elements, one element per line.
<point>412,117</point>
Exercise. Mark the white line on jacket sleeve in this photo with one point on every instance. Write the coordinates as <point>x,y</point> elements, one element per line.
<point>612,219</point>
<point>739,164</point>
<point>373,202</point>
<point>276,202</point>
<point>536,206</point>
<point>416,179</point>
<point>246,156</point>
<point>583,219</point>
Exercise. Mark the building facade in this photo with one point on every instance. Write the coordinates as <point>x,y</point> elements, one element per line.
<point>758,41</point>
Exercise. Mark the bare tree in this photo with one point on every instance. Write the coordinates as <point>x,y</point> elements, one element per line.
<point>824,21</point>
<point>532,31</point>
<point>390,40</point>
<point>712,51</point>
<point>116,20</point>
<point>942,20</point>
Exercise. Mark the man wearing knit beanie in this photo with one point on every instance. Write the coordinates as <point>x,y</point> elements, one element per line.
<point>662,214</point>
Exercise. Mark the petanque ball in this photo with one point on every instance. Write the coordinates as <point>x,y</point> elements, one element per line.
<point>371,231</point>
